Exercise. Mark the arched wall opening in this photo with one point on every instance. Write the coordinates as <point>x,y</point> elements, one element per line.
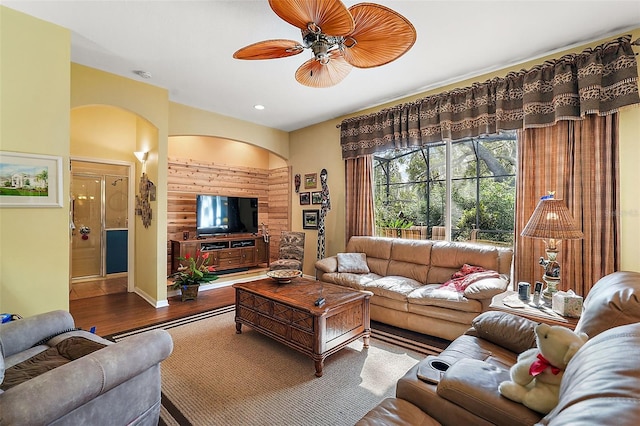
<point>221,166</point>
<point>104,137</point>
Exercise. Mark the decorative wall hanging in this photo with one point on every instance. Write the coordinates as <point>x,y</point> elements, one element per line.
<point>310,180</point>
<point>143,200</point>
<point>29,180</point>
<point>297,183</point>
<point>304,198</point>
<point>324,209</point>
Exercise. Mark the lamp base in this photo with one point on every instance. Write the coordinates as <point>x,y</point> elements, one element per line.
<point>552,287</point>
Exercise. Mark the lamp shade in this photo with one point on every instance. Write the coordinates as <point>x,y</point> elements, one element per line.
<point>551,219</point>
<point>141,156</point>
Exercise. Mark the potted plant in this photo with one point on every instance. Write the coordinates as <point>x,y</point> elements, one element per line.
<point>189,277</point>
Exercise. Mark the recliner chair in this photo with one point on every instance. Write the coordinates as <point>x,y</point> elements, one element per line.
<point>113,383</point>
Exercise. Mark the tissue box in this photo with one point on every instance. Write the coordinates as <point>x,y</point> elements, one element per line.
<point>567,303</point>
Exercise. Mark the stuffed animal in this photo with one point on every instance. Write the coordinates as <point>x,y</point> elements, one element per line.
<point>536,376</point>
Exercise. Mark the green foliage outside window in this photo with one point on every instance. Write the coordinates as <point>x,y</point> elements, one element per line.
<point>410,187</point>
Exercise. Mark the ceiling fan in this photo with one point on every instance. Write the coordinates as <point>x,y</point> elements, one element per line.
<point>366,35</point>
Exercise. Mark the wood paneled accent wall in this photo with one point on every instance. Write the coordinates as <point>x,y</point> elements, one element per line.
<point>187,178</point>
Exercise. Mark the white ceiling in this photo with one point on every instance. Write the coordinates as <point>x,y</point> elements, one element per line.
<point>187,46</point>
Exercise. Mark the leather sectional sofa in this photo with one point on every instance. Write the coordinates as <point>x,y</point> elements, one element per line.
<point>600,386</point>
<point>94,382</point>
<point>406,278</point>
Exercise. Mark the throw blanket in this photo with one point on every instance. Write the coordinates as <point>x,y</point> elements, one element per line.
<point>66,351</point>
<point>468,275</point>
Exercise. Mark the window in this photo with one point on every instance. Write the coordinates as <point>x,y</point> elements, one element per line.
<point>473,198</point>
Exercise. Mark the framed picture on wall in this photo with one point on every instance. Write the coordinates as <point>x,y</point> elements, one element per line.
<point>30,180</point>
<point>310,219</point>
<point>310,180</point>
<point>316,197</point>
<point>304,198</point>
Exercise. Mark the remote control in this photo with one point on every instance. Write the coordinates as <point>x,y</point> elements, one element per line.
<point>319,301</point>
<point>536,293</point>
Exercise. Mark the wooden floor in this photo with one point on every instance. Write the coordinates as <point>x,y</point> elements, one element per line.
<point>119,312</point>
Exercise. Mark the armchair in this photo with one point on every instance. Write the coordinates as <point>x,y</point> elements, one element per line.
<point>117,384</point>
<point>291,253</point>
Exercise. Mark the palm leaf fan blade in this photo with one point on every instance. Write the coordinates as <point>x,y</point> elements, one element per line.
<point>382,35</point>
<point>269,49</point>
<point>331,16</point>
<point>313,74</point>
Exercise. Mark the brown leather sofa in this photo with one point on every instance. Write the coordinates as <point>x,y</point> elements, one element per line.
<point>406,277</point>
<point>601,384</point>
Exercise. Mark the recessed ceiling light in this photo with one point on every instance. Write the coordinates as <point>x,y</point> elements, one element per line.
<point>259,107</point>
<point>143,74</point>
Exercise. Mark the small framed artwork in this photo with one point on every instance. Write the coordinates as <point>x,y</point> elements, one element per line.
<point>316,197</point>
<point>30,180</point>
<point>310,180</point>
<point>304,198</point>
<point>310,219</point>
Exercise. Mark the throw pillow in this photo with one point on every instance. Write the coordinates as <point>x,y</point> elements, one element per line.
<point>509,331</point>
<point>353,262</point>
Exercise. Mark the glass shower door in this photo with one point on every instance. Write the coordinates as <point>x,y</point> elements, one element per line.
<point>86,213</point>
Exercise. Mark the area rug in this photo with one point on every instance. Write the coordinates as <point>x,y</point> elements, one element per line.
<point>217,377</point>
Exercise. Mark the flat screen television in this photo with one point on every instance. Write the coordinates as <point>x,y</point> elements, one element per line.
<point>219,214</point>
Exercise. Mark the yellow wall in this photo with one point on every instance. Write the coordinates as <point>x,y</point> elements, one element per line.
<point>34,118</point>
<point>105,132</point>
<point>185,120</point>
<point>219,151</point>
<point>312,149</point>
<point>323,141</point>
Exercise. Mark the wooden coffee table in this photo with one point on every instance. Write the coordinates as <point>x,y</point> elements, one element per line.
<point>286,313</point>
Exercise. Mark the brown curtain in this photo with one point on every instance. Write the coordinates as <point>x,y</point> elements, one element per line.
<point>579,161</point>
<point>359,196</point>
<point>596,81</point>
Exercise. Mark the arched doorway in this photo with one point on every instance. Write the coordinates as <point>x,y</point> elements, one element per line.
<point>102,200</point>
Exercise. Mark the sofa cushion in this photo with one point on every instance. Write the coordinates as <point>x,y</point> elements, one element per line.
<point>347,279</point>
<point>449,257</point>
<point>410,258</point>
<point>328,264</point>
<point>377,249</point>
<point>486,288</point>
<point>473,385</point>
<point>352,262</point>
<point>444,297</point>
<point>392,287</point>
<point>509,331</point>
<point>613,301</point>
<point>396,412</point>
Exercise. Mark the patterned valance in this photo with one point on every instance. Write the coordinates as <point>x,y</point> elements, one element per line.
<point>596,81</point>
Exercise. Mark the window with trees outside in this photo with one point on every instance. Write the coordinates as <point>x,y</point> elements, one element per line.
<point>473,199</point>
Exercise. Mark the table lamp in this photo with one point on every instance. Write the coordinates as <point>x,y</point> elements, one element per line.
<point>551,222</point>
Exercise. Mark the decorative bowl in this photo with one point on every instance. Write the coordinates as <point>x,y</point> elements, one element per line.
<point>284,276</point>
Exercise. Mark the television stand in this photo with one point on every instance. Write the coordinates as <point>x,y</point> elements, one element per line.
<point>226,253</point>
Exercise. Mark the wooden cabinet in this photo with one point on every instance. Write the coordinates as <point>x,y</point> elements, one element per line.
<point>226,253</point>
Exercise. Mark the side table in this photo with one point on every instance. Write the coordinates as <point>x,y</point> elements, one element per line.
<point>542,313</point>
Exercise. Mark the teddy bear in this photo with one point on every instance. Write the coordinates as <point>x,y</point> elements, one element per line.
<point>536,375</point>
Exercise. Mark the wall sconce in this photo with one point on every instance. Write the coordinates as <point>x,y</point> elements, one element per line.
<point>142,157</point>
